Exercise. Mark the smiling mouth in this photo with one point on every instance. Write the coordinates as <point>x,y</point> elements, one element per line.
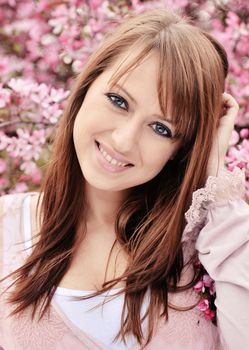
<point>110,159</point>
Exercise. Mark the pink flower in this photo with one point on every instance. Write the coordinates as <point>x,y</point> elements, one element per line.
<point>95,4</point>
<point>203,305</point>
<point>28,167</point>
<point>24,178</point>
<point>207,280</point>
<point>209,314</point>
<point>3,165</point>
<point>209,283</point>
<point>36,177</point>
<point>3,183</point>
<point>4,97</point>
<point>234,138</point>
<point>4,141</point>
<point>20,187</point>
<point>244,133</point>
<point>25,9</point>
<point>199,287</point>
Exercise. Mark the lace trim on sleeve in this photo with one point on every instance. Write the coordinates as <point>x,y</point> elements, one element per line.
<point>217,191</point>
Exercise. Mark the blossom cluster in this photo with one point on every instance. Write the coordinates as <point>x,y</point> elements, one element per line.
<point>205,287</point>
<point>29,112</point>
<point>45,43</point>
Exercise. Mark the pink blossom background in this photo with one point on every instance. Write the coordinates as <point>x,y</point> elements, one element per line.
<point>44,44</point>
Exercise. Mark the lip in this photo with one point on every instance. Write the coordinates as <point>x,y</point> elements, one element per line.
<point>108,166</point>
<point>113,154</point>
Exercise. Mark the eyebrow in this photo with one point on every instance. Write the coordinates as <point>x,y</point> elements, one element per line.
<point>134,101</point>
<point>126,92</point>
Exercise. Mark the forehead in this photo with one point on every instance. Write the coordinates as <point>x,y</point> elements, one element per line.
<point>133,71</point>
<point>133,65</point>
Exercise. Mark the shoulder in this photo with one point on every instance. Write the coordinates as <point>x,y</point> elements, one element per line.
<point>11,203</point>
<point>35,208</point>
<point>11,223</point>
<point>10,231</point>
<point>12,211</point>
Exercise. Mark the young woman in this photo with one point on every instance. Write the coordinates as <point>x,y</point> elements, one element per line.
<point>136,189</point>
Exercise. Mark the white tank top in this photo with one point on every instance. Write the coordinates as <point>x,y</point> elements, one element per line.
<point>102,322</point>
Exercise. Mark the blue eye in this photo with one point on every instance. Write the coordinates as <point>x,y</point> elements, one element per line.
<point>161,129</point>
<point>117,101</point>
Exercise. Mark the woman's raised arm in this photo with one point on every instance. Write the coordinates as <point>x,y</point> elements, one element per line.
<point>223,246</point>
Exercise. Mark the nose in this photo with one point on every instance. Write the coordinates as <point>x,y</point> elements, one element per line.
<point>126,135</point>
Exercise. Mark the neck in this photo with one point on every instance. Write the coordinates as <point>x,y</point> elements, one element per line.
<point>103,206</point>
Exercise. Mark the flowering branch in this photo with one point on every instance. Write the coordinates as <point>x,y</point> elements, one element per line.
<point>44,44</point>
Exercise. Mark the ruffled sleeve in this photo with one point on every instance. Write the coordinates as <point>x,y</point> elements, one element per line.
<point>218,191</point>
<point>219,221</point>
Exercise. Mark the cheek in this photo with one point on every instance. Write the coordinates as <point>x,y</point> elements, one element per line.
<point>77,132</point>
<point>83,125</point>
<point>155,167</point>
<point>156,157</point>
<point>80,134</point>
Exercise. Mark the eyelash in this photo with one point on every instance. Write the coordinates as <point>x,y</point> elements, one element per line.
<point>113,98</point>
<point>160,125</point>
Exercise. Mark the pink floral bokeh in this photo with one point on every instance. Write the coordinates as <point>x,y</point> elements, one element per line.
<point>44,44</point>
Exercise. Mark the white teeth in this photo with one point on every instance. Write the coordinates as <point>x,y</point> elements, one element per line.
<point>110,159</point>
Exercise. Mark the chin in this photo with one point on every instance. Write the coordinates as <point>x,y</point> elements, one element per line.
<point>99,182</point>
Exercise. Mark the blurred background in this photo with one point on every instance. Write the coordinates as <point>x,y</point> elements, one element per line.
<point>44,44</point>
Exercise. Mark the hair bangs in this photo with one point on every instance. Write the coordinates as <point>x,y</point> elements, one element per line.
<point>177,87</point>
<point>131,60</point>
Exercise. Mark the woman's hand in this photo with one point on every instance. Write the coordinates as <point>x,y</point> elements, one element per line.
<point>221,140</point>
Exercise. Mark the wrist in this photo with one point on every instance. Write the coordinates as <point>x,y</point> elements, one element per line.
<point>215,170</point>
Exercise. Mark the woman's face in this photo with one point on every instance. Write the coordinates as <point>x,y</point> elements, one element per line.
<point>120,135</point>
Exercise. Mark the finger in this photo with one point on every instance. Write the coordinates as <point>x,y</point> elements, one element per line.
<point>231,109</point>
<point>229,101</point>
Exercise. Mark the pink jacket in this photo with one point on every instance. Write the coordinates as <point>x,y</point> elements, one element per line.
<point>217,224</point>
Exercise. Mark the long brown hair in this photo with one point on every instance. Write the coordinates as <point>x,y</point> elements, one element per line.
<point>150,223</point>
